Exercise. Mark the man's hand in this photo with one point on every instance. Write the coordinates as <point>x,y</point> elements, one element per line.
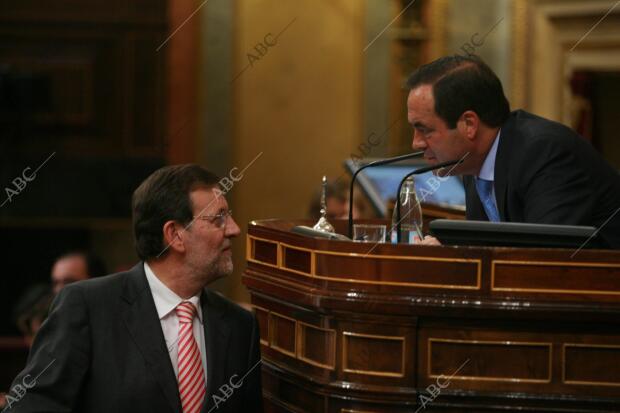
<point>428,240</point>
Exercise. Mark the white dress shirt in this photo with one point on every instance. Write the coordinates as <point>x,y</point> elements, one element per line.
<point>166,302</point>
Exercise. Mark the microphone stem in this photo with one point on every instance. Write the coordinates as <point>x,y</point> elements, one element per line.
<point>375,163</point>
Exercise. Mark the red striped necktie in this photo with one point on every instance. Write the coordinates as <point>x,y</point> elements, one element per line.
<point>192,387</point>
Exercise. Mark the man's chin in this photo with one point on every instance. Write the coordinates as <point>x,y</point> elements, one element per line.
<point>443,172</point>
<point>223,269</point>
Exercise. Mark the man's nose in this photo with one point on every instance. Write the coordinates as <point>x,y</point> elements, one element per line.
<point>418,142</point>
<point>232,229</point>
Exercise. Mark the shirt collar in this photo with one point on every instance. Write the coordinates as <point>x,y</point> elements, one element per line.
<point>487,172</point>
<point>165,299</point>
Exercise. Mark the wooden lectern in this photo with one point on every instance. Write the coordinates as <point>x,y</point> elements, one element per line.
<point>362,328</point>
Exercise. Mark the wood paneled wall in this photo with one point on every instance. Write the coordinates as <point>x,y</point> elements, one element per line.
<point>99,71</point>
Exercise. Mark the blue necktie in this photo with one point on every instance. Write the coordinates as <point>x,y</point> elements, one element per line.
<point>485,193</point>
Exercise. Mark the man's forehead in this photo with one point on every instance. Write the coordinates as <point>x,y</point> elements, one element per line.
<point>72,263</point>
<point>420,103</point>
<point>208,199</point>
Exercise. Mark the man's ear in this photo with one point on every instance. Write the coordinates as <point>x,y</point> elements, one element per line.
<point>173,236</point>
<point>468,124</point>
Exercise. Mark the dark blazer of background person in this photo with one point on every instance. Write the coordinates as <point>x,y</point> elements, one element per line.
<point>545,173</point>
<point>104,351</point>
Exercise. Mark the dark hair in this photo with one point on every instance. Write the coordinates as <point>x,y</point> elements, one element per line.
<point>463,83</point>
<point>164,196</point>
<point>95,267</point>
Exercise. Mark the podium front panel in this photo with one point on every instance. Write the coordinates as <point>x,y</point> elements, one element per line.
<point>357,327</point>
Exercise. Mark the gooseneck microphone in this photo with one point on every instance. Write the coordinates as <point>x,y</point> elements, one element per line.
<point>368,165</point>
<point>418,172</point>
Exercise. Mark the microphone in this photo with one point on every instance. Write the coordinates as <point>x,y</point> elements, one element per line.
<point>311,232</point>
<point>418,172</point>
<point>375,163</point>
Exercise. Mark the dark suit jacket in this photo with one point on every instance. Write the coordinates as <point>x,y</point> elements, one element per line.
<point>545,173</point>
<point>105,351</point>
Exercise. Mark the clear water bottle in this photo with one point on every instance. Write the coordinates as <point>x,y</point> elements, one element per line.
<point>410,214</point>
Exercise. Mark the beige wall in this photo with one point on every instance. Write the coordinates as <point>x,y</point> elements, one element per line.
<point>489,23</point>
<point>299,107</point>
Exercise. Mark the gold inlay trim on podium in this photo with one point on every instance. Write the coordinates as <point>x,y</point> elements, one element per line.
<point>490,342</point>
<point>249,250</point>
<point>551,264</point>
<point>301,349</point>
<point>271,335</point>
<point>298,342</point>
<point>585,382</point>
<point>347,279</point>
<point>478,263</point>
<point>292,247</point>
<point>345,352</point>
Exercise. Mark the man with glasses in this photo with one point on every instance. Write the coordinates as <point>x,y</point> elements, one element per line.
<point>153,339</point>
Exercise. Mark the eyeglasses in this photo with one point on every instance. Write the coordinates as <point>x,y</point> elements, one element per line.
<point>218,220</point>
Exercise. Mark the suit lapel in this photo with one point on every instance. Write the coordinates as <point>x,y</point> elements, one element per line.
<point>217,334</point>
<point>141,320</point>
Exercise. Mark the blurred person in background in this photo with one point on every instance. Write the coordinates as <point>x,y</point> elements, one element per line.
<point>337,200</point>
<point>31,310</point>
<point>33,305</point>
<point>75,266</point>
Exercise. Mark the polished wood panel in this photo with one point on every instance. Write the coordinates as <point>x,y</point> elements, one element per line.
<point>589,278</point>
<point>588,364</point>
<point>94,74</point>
<point>361,354</point>
<point>262,315</point>
<point>282,334</point>
<point>393,270</point>
<point>299,260</point>
<point>290,396</point>
<point>406,271</point>
<point>264,252</point>
<point>373,332</point>
<point>477,360</point>
<point>317,346</point>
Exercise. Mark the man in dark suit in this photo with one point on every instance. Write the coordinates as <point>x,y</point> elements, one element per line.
<point>152,339</point>
<point>518,167</point>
